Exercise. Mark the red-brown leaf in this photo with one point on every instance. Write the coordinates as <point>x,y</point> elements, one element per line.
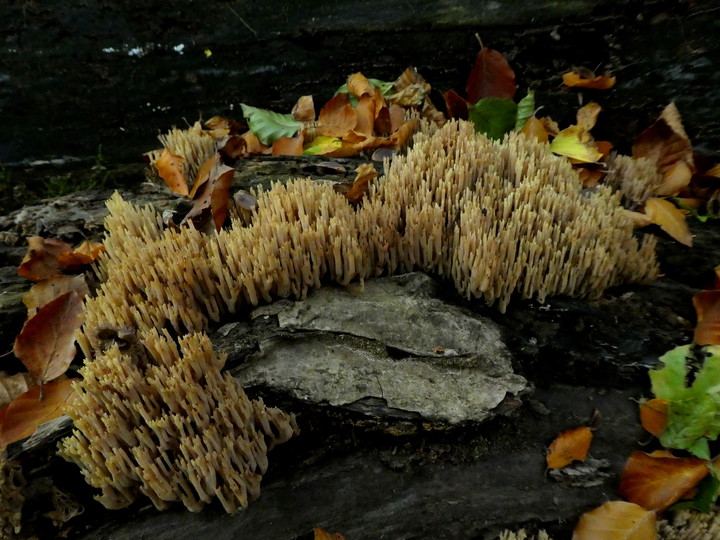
<point>289,146</point>
<point>665,142</point>
<point>304,109</point>
<point>656,482</point>
<point>456,106</point>
<point>212,198</point>
<point>46,344</point>
<point>49,289</point>
<point>491,76</point>
<point>82,255</point>
<point>22,417</point>
<point>707,307</point>
<point>41,260</point>
<point>337,117</point>
<point>571,445</point>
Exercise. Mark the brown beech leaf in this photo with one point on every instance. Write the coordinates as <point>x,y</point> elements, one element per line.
<point>707,307</point>
<point>491,76</point>
<point>355,192</point>
<point>358,85</point>
<point>289,146</point>
<point>456,106</point>
<point>46,344</point>
<point>410,89</point>
<point>604,148</point>
<point>203,174</point>
<point>337,117</point>
<point>653,415</point>
<point>616,520</point>
<point>171,168</point>
<point>84,254</point>
<point>675,178</point>
<point>367,110</point>
<point>36,406</point>
<point>571,445</point>
<point>590,176</point>
<point>397,117</point>
<point>212,198</point>
<point>665,142</point>
<point>41,260</point>
<point>587,116</point>
<point>404,132</point>
<point>218,124</point>
<point>584,78</point>
<point>656,481</point>
<point>11,386</point>
<point>321,534</point>
<point>637,219</point>
<point>304,109</point>
<point>535,129</point>
<point>49,289</point>
<point>670,218</point>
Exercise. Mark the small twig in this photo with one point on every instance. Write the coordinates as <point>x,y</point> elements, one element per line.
<point>241,19</point>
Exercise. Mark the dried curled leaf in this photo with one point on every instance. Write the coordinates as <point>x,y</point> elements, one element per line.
<point>84,254</point>
<point>355,192</point>
<point>571,445</point>
<point>584,78</point>
<point>304,109</point>
<point>670,219</point>
<point>11,386</point>
<point>41,260</point>
<point>46,344</point>
<point>36,406</point>
<point>616,520</point>
<point>657,481</point>
<point>49,289</point>
<point>171,168</point>
<point>665,142</point>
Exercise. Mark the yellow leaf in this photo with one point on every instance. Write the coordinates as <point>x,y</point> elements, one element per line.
<point>534,128</point>
<point>322,145</point>
<point>576,143</point>
<point>616,520</point>
<point>171,168</point>
<point>670,218</point>
<point>638,219</point>
<point>675,178</point>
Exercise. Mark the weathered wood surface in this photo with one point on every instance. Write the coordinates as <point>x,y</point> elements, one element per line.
<point>75,76</point>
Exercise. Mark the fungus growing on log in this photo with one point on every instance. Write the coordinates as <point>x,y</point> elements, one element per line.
<point>171,426</point>
<point>496,218</point>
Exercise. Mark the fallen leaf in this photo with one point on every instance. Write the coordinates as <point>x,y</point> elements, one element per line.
<point>321,534</point>
<point>534,128</point>
<point>604,148</point>
<point>269,126</point>
<point>41,260</point>
<point>203,174</point>
<point>675,178</point>
<point>11,386</point>
<point>356,191</point>
<point>490,77</point>
<point>171,168</point>
<point>358,85</point>
<point>367,109</point>
<point>84,254</point>
<point>409,90</point>
<point>304,109</point>
<point>525,110</point>
<point>49,289</point>
<point>670,218</point>
<point>403,133</point>
<point>576,143</point>
<point>337,117</point>
<point>587,116</point>
<point>571,445</point>
<point>218,124</point>
<point>638,219</point>
<point>212,198</point>
<point>654,415</point>
<point>665,142</point>
<point>286,146</point>
<point>322,145</point>
<point>493,116</point>
<point>584,78</point>
<point>36,406</point>
<point>656,482</point>
<point>707,307</point>
<point>456,106</point>
<point>616,520</point>
<point>590,176</point>
<point>46,343</point>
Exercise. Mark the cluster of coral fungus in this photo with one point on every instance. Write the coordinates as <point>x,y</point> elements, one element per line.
<point>496,218</point>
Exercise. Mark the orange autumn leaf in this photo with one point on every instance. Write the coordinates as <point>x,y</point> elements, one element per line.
<point>604,147</point>
<point>49,289</point>
<point>288,146</point>
<point>571,445</point>
<point>397,117</point>
<point>358,85</point>
<point>355,192</point>
<point>41,260</point>
<point>401,136</point>
<point>665,142</point>
<point>367,110</point>
<point>203,174</point>
<point>616,520</point>
<point>535,129</point>
<point>171,168</point>
<point>653,415</point>
<point>590,176</point>
<point>491,76</point>
<point>337,117</point>
<point>584,78</point>
<point>675,178</point>
<point>212,198</point>
<point>11,386</point>
<point>587,116</point>
<point>707,307</point>
<point>84,254</point>
<point>637,219</point>
<point>321,534</point>
<point>46,343</point>
<point>27,411</point>
<point>304,109</point>
<point>656,481</point>
<point>670,218</point>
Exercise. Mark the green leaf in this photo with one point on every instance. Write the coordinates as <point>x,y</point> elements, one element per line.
<point>384,86</point>
<point>694,410</point>
<point>525,109</point>
<point>493,116</point>
<point>269,126</point>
